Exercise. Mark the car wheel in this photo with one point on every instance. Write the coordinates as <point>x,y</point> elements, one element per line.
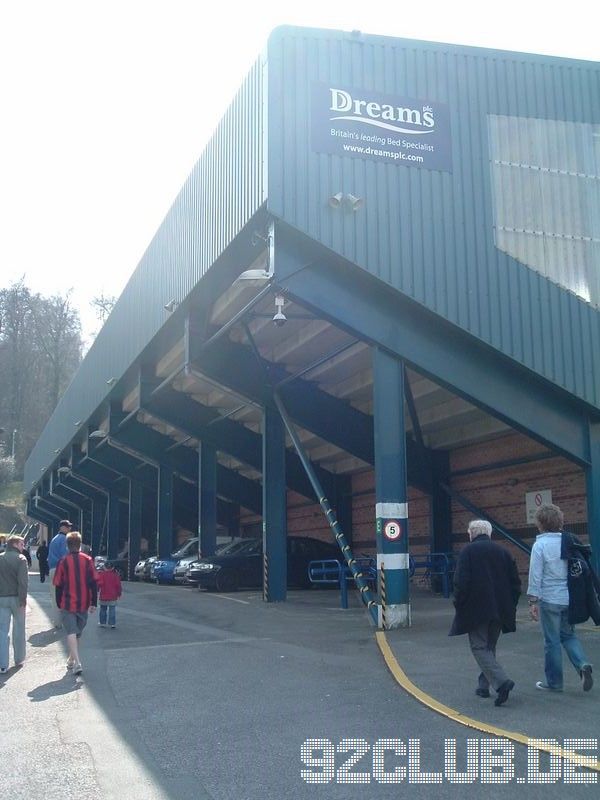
<point>226,582</point>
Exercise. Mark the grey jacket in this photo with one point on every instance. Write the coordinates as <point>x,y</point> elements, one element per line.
<point>14,575</point>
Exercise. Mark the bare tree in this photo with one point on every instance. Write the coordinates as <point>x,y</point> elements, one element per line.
<point>40,349</point>
<point>102,305</point>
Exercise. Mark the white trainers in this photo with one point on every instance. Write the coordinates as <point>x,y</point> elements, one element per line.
<point>77,669</point>
<point>3,670</point>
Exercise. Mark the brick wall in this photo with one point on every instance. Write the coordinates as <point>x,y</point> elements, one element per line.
<point>499,492</point>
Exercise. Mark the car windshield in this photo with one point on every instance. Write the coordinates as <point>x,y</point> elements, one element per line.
<point>190,548</point>
<point>248,547</point>
<point>235,547</point>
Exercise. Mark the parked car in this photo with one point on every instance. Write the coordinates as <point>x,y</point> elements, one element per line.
<point>243,566</point>
<point>119,564</point>
<point>139,569</point>
<point>164,569</point>
<point>147,568</point>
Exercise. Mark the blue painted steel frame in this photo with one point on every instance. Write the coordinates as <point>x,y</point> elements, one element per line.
<point>136,497</point>
<point>275,507</point>
<point>207,499</point>
<point>348,297</point>
<point>391,487</point>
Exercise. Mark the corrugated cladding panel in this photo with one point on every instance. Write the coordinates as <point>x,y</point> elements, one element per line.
<point>433,234</point>
<point>224,190</point>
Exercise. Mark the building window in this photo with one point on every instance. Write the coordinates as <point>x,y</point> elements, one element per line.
<point>546,196</point>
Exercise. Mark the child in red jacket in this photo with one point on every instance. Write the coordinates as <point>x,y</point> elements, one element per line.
<point>109,585</point>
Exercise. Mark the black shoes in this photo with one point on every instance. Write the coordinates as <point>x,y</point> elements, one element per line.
<point>503,691</point>
<point>482,692</point>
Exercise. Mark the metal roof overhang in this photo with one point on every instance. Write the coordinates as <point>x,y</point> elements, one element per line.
<point>224,361</point>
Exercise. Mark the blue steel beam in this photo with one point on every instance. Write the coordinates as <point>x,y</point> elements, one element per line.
<point>593,493</point>
<point>85,488</point>
<point>348,297</point>
<point>194,419</point>
<point>35,513</point>
<point>54,505</point>
<point>391,500</point>
<point>165,511</point>
<point>184,461</point>
<point>136,499</point>
<point>113,527</point>
<point>207,499</point>
<point>328,417</point>
<point>275,508</point>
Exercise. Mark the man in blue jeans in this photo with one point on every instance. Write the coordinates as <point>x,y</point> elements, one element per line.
<point>549,602</point>
<point>14,578</point>
<point>56,551</point>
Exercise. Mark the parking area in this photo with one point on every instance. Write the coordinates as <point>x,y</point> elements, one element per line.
<point>203,695</point>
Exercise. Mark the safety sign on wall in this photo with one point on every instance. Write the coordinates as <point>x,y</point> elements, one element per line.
<point>534,500</point>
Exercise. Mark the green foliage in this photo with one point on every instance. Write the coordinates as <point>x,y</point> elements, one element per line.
<point>11,494</point>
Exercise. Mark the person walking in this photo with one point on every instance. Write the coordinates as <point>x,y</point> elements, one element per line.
<point>42,556</point>
<point>549,600</point>
<point>57,550</point>
<point>486,593</point>
<point>76,595</point>
<point>109,584</point>
<point>14,577</point>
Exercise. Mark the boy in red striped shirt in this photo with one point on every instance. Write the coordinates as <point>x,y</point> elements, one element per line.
<point>76,594</point>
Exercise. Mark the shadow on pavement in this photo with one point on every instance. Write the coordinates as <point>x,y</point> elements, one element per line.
<point>44,638</point>
<point>65,685</point>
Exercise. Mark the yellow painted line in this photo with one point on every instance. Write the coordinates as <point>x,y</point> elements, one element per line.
<point>402,678</point>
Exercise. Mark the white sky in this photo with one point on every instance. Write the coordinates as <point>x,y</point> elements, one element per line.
<point>106,106</point>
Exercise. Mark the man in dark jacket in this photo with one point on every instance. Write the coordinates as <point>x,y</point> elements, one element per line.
<point>42,557</point>
<point>486,592</point>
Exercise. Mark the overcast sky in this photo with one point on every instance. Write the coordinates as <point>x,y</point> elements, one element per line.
<point>106,106</point>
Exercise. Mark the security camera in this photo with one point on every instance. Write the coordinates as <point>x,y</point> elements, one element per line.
<point>280,318</point>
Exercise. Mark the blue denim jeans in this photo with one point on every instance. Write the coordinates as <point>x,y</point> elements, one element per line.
<point>112,614</point>
<point>557,631</point>
<point>11,610</point>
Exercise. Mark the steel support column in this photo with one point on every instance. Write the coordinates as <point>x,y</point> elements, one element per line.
<point>135,525</point>
<point>99,523</point>
<point>165,511</point>
<point>390,490</point>
<point>441,504</point>
<point>274,508</point>
<point>112,533</point>
<point>592,475</point>
<point>343,505</point>
<point>207,499</point>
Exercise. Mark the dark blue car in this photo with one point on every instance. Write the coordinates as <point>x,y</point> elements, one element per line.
<point>229,570</point>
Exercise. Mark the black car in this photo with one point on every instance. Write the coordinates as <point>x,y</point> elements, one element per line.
<point>229,570</point>
<point>120,565</point>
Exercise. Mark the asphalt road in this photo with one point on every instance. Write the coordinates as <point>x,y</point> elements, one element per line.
<point>203,696</point>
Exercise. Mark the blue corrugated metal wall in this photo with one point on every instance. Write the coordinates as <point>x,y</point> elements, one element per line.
<point>223,192</point>
<point>429,233</point>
